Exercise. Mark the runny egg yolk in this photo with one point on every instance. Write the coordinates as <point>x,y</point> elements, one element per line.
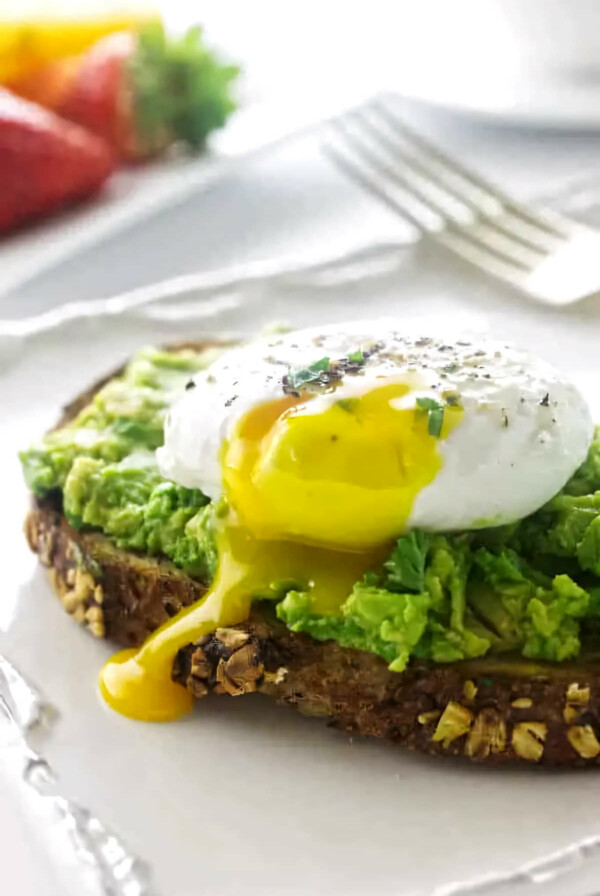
<point>345,478</point>
<point>315,500</point>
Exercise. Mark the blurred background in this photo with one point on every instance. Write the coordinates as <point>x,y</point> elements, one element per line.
<point>510,87</point>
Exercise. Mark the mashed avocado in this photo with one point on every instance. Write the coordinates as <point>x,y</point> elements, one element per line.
<point>533,587</point>
<point>103,464</point>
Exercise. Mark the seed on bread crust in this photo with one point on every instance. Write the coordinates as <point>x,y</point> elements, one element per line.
<point>70,602</point>
<point>231,637</point>
<point>78,614</point>
<point>455,721</point>
<point>225,685</point>
<point>578,696</point>
<point>276,677</point>
<point>570,714</point>
<point>244,667</point>
<point>528,740</point>
<point>584,741</point>
<point>488,735</point>
<point>522,703</point>
<point>469,691</point>
<point>94,614</point>
<point>577,699</point>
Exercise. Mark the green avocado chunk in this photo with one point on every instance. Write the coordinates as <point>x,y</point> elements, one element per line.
<point>531,588</point>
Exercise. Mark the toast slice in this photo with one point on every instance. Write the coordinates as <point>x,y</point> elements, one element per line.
<point>492,710</point>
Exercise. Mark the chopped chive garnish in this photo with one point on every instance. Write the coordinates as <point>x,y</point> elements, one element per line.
<point>356,357</point>
<point>310,374</point>
<point>435,412</point>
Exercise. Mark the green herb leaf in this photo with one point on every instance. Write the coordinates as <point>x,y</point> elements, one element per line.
<point>406,566</point>
<point>436,420</point>
<point>435,411</point>
<point>310,374</point>
<point>356,357</point>
<point>318,366</point>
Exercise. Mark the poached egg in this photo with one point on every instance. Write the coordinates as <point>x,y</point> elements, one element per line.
<point>352,462</point>
<point>327,445</point>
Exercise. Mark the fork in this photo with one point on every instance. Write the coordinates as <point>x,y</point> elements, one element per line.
<point>540,252</point>
<point>86,856</point>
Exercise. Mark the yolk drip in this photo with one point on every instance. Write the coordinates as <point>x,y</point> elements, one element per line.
<point>138,684</point>
<point>316,501</point>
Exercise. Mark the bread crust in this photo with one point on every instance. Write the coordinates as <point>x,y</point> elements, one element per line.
<point>489,710</point>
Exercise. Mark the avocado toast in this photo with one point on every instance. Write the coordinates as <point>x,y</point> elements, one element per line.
<point>127,550</point>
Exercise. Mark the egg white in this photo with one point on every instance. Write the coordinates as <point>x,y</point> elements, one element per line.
<point>524,431</point>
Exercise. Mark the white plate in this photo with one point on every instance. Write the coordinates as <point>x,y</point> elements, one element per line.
<point>243,797</point>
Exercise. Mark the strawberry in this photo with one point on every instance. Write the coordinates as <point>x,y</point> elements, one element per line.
<point>99,96</point>
<point>45,162</point>
<point>141,91</point>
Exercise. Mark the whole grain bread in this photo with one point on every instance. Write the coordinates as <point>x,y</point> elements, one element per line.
<point>489,710</point>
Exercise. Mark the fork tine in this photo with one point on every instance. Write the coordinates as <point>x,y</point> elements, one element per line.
<point>484,206</point>
<point>547,220</point>
<point>483,259</point>
<point>373,164</point>
<point>478,256</point>
<point>357,174</point>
